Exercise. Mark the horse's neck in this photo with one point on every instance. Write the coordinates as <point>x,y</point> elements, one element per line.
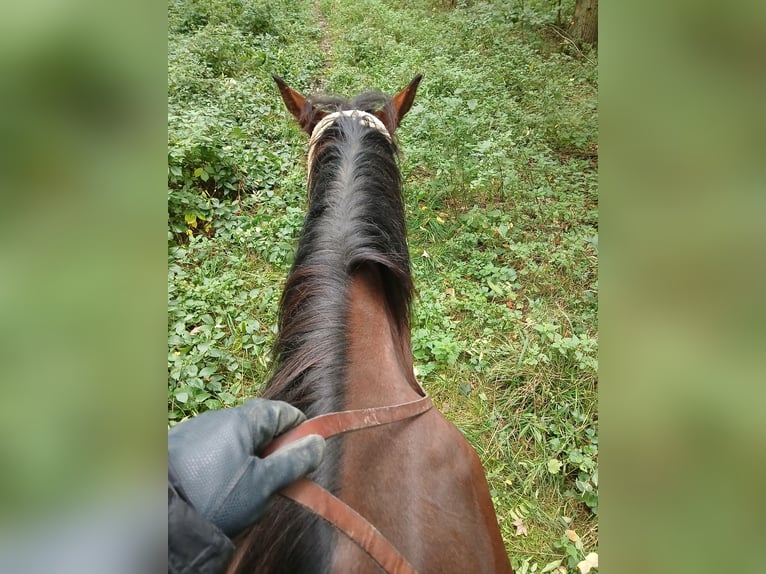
<point>379,354</point>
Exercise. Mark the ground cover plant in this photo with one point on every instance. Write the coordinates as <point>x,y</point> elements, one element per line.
<point>499,159</point>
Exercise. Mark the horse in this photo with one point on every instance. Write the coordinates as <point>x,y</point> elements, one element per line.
<point>343,343</point>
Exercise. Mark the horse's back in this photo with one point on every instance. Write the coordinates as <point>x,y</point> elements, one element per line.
<point>425,490</point>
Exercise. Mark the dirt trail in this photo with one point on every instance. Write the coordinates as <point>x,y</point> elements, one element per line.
<point>325,44</point>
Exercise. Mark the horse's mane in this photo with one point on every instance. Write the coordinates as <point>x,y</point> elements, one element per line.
<point>355,217</point>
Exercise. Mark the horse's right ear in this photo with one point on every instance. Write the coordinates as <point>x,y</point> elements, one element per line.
<point>300,108</point>
<point>392,115</point>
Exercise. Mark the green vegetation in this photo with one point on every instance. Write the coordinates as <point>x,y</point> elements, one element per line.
<point>499,160</point>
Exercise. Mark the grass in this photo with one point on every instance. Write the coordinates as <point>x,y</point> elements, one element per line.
<point>500,171</point>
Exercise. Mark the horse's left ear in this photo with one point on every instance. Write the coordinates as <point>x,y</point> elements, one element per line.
<point>300,108</point>
<point>400,104</point>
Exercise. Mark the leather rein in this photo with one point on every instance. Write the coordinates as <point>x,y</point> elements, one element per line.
<point>326,505</point>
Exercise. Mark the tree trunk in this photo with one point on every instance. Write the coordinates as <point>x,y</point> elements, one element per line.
<point>584,27</point>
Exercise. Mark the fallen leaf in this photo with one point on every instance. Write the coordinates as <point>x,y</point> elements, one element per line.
<point>196,330</point>
<point>572,535</point>
<point>445,407</point>
<point>551,566</point>
<point>450,292</point>
<point>591,561</point>
<point>554,466</point>
<point>521,528</point>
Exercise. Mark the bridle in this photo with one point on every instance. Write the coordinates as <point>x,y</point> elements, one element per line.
<point>364,118</point>
<point>326,505</point>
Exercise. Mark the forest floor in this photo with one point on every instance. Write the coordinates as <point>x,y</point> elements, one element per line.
<point>499,161</point>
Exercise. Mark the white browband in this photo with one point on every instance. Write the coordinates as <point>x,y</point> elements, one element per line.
<point>365,118</point>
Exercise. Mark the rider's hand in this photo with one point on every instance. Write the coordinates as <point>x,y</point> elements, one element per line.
<point>213,460</point>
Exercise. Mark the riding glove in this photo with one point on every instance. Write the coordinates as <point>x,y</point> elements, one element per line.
<point>213,460</point>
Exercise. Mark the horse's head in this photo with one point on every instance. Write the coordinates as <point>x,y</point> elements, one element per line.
<point>308,112</point>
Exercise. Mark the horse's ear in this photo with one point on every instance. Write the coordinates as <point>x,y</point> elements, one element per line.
<point>400,104</point>
<point>300,108</point>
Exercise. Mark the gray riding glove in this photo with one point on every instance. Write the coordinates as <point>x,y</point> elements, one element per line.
<point>213,460</point>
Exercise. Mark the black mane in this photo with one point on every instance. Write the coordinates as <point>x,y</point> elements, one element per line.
<point>355,217</point>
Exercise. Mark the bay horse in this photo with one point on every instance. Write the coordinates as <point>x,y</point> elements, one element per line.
<point>344,343</point>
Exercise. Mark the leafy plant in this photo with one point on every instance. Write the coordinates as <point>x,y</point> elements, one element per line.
<point>188,16</point>
<point>574,445</point>
<point>575,558</point>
